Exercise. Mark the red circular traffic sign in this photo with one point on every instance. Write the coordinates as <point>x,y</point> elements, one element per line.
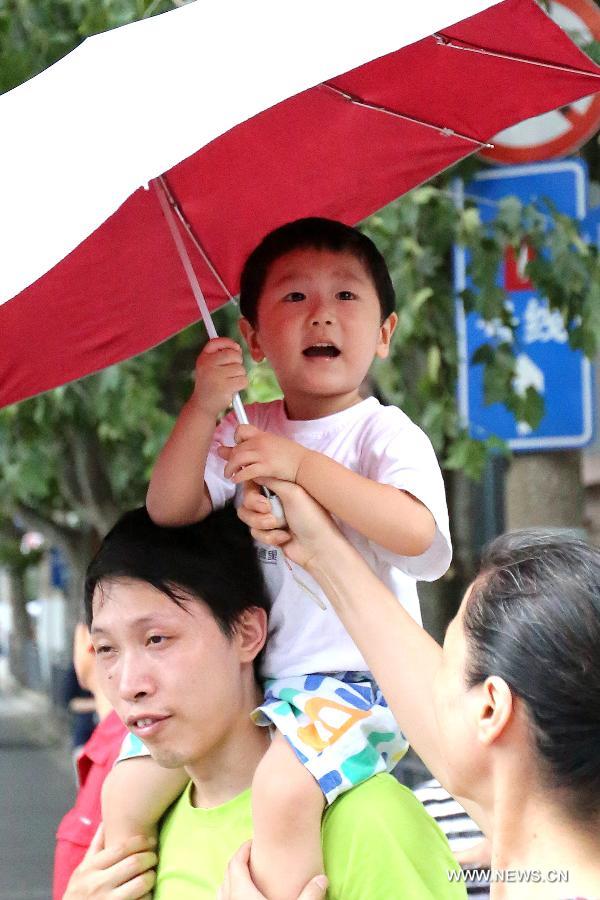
<point>564,130</point>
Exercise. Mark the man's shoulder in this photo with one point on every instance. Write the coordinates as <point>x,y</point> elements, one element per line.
<point>379,798</point>
<point>386,845</point>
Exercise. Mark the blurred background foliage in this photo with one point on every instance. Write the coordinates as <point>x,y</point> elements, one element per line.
<point>72,459</point>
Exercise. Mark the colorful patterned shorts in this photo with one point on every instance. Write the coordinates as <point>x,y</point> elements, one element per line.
<point>131,748</point>
<point>338,724</point>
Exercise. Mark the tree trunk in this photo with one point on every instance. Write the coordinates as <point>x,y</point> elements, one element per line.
<point>22,634</point>
<point>80,549</point>
<point>544,489</point>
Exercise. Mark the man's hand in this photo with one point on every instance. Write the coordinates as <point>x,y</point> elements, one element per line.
<point>121,873</point>
<point>310,530</point>
<point>238,883</point>
<point>220,374</point>
<point>260,454</point>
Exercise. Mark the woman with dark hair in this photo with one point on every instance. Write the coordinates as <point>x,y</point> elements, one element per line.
<point>507,714</point>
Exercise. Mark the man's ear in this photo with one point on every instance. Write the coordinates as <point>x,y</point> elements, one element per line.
<point>386,331</point>
<point>250,335</point>
<point>251,632</point>
<point>496,709</point>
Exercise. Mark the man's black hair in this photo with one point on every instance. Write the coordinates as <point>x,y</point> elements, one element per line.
<point>214,561</point>
<point>318,234</point>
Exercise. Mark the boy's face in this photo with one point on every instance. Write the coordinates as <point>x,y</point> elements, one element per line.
<point>319,325</point>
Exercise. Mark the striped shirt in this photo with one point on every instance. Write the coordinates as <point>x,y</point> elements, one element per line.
<point>458,827</point>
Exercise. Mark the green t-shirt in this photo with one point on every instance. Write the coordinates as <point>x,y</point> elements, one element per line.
<point>378,844</point>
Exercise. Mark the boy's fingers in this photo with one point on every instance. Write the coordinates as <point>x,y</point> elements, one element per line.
<point>244,432</point>
<point>230,361</point>
<point>254,499</point>
<point>239,462</point>
<point>221,343</point>
<point>283,489</point>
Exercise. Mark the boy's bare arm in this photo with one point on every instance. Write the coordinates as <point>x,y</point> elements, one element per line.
<point>135,794</point>
<point>177,494</point>
<point>390,517</point>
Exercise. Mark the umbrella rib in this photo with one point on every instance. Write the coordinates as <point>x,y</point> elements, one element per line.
<point>188,229</point>
<point>446,132</point>
<point>471,48</point>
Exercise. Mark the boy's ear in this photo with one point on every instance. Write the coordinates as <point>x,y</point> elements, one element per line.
<point>250,335</point>
<point>386,331</point>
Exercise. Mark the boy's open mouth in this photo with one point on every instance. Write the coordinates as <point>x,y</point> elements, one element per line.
<point>322,350</point>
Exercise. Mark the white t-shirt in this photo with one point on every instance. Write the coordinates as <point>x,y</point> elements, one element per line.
<point>383,444</point>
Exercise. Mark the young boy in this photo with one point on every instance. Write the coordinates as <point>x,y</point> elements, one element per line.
<point>317,301</point>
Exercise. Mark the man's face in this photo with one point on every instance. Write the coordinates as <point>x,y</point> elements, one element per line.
<point>169,671</point>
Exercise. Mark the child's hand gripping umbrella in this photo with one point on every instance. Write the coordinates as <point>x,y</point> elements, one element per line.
<point>238,406</point>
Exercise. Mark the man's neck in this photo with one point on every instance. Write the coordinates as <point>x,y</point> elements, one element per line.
<point>229,768</point>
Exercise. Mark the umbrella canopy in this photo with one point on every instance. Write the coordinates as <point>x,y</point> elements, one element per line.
<point>377,103</point>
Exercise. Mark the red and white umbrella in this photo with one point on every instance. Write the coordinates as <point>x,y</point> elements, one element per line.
<point>254,113</point>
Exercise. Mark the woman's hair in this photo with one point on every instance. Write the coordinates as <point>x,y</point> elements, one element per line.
<point>533,619</point>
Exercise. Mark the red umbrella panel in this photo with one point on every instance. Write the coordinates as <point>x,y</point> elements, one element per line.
<point>341,149</point>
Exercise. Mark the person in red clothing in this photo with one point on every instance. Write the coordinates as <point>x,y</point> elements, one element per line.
<point>95,761</point>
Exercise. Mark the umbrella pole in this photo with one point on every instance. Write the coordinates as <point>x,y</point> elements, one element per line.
<point>236,402</point>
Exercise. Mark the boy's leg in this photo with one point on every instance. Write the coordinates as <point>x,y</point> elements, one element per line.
<point>135,794</point>
<point>287,805</point>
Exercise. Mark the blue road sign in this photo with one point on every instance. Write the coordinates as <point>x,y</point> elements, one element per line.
<point>544,359</point>
<point>590,227</point>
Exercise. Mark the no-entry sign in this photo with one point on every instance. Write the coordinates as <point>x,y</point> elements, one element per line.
<point>563,130</point>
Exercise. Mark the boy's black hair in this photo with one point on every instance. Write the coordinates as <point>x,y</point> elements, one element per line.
<point>214,560</point>
<point>318,234</point>
<point>533,618</point>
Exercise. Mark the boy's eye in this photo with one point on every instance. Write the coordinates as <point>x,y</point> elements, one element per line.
<point>103,649</point>
<point>295,296</point>
<point>345,295</point>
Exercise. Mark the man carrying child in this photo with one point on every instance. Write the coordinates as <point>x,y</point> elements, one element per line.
<point>177,629</point>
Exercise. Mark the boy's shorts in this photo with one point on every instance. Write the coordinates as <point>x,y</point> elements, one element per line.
<point>131,748</point>
<point>338,725</point>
